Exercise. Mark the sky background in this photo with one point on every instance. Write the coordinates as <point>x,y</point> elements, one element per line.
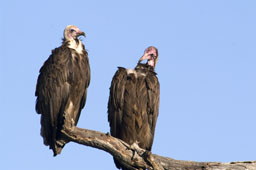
<point>206,69</point>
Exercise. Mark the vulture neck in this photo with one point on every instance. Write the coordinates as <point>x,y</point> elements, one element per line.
<point>76,45</point>
<point>141,70</point>
<point>144,67</point>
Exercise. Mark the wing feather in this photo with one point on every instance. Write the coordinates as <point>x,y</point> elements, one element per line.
<point>133,106</point>
<point>116,100</point>
<point>153,92</point>
<point>52,91</point>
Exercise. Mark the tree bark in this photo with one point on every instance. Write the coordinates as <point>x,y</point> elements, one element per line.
<point>135,158</point>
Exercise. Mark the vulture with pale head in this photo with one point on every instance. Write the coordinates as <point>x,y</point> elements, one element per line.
<point>134,102</point>
<point>62,88</point>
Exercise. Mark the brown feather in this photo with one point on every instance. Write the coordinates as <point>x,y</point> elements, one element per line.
<point>133,105</point>
<point>63,79</point>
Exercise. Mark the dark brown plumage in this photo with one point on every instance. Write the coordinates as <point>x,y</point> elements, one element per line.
<point>134,102</point>
<point>62,88</point>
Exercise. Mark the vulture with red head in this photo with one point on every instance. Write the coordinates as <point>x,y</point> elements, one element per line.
<point>134,102</point>
<point>62,88</point>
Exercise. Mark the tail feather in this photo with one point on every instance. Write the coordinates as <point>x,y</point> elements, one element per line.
<point>59,145</point>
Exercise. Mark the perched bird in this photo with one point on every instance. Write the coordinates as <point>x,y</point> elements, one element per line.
<point>61,88</point>
<point>134,102</point>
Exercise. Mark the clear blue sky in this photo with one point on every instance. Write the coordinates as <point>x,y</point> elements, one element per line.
<point>206,69</point>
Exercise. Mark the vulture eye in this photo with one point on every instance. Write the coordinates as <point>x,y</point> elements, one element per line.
<point>72,30</point>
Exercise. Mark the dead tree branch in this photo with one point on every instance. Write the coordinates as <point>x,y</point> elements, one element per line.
<point>136,158</point>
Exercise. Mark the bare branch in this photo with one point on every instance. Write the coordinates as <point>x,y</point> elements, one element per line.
<point>135,158</point>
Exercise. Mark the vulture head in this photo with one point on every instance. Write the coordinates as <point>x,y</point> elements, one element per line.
<point>72,32</point>
<point>151,55</point>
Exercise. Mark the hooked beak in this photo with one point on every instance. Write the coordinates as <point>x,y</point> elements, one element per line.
<point>152,60</point>
<point>145,57</point>
<point>81,33</point>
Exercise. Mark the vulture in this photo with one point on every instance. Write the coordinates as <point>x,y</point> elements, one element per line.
<point>61,88</point>
<point>134,102</point>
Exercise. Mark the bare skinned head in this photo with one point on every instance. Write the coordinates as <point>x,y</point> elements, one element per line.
<point>151,55</point>
<point>72,32</point>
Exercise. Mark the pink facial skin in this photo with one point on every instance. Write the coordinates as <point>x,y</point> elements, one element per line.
<point>150,50</point>
<point>150,54</point>
<point>75,32</point>
<point>151,63</point>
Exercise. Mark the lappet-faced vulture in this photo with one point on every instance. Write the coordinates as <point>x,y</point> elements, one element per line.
<point>62,88</point>
<point>134,102</point>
